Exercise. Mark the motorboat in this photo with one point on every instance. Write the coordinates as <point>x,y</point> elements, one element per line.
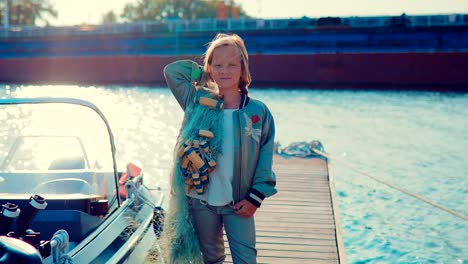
<point>64,195</point>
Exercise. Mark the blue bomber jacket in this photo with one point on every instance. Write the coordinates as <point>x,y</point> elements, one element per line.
<point>254,179</point>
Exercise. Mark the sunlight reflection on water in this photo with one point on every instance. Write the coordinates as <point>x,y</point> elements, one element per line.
<point>416,140</point>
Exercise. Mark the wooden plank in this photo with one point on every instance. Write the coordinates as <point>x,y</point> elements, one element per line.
<point>296,203</point>
<point>307,190</point>
<point>298,225</point>
<point>311,207</point>
<point>292,220</point>
<point>308,200</point>
<point>322,240</point>
<point>295,221</point>
<point>315,245</point>
<point>300,249</point>
<point>315,259</point>
<point>301,196</point>
<point>298,254</point>
<point>293,215</point>
<point>339,235</point>
<point>303,235</point>
<point>270,260</point>
<point>267,236</point>
<point>309,179</point>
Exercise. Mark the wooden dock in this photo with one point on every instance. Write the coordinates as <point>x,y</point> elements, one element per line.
<point>300,223</point>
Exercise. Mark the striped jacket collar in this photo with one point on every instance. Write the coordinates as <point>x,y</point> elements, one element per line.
<point>244,101</point>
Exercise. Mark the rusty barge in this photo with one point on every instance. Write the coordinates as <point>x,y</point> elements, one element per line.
<point>419,52</point>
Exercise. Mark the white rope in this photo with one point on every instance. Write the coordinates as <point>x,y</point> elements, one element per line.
<point>450,211</point>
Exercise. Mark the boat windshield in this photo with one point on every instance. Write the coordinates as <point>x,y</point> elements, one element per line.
<point>54,149</point>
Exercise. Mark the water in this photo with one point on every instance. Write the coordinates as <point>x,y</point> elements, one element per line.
<point>416,140</point>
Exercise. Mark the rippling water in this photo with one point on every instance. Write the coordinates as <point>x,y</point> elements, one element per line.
<point>415,140</point>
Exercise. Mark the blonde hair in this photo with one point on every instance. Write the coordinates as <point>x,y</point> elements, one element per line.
<point>222,39</point>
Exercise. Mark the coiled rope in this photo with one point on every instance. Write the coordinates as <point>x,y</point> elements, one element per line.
<point>443,208</point>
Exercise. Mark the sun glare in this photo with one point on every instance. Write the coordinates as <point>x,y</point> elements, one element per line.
<point>89,12</point>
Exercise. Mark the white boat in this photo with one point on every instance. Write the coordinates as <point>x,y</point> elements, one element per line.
<point>64,198</point>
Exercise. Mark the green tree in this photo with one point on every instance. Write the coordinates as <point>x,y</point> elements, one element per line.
<point>147,10</point>
<point>28,12</point>
<point>109,18</point>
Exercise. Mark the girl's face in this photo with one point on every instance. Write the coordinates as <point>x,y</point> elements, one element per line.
<point>226,67</point>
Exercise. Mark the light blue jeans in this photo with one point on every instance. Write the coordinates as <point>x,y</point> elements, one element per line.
<point>209,222</point>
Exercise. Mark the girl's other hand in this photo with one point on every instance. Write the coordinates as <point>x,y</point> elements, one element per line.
<point>244,209</point>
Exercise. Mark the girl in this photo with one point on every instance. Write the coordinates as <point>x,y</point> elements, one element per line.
<point>223,166</point>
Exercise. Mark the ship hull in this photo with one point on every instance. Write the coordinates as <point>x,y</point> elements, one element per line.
<point>430,70</point>
<point>429,57</point>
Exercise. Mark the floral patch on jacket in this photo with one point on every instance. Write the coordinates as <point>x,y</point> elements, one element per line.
<point>253,126</point>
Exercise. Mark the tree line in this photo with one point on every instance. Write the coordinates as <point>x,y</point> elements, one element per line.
<point>32,12</point>
<point>27,12</point>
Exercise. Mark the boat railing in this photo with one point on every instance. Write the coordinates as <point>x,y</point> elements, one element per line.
<point>241,24</point>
